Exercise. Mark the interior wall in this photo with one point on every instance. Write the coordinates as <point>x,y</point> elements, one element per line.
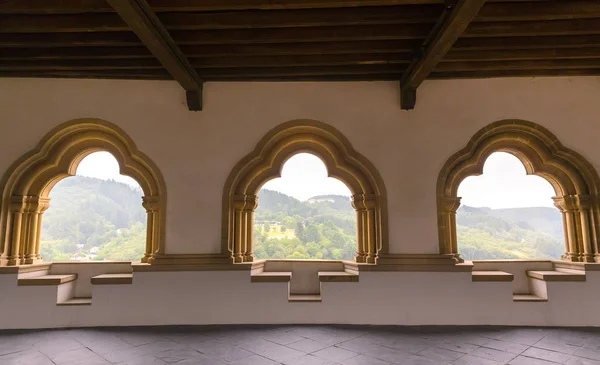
<point>196,150</point>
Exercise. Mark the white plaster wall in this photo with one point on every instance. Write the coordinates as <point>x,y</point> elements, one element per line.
<point>196,151</point>
<point>381,298</point>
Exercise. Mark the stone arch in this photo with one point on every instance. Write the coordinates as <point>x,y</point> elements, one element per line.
<point>574,179</point>
<point>342,161</point>
<point>27,184</point>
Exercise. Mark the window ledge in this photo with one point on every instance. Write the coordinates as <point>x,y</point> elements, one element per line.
<point>492,276</point>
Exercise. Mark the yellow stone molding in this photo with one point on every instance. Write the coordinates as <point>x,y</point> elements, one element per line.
<point>575,182</point>
<point>28,182</point>
<point>342,162</point>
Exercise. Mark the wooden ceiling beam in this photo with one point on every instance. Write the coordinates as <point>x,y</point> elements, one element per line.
<point>228,36</point>
<point>453,23</point>
<point>227,50</point>
<point>523,54</point>
<point>18,23</point>
<point>514,73</point>
<point>146,25</point>
<point>407,14</point>
<point>553,10</point>
<point>531,42</point>
<point>518,65</point>
<point>533,28</point>
<point>212,62</point>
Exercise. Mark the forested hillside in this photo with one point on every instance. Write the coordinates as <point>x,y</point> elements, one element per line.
<point>518,233</point>
<point>286,228</point>
<point>93,219</point>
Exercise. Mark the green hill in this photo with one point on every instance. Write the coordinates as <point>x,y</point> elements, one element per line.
<point>93,219</point>
<point>323,227</point>
<point>517,233</point>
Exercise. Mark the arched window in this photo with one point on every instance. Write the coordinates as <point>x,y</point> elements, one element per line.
<point>507,214</point>
<point>574,180</point>
<point>304,214</point>
<point>96,215</point>
<point>27,185</point>
<point>265,163</point>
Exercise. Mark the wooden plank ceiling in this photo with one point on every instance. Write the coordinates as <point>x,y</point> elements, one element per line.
<point>288,40</point>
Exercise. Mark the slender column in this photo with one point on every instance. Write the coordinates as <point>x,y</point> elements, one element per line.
<point>447,225</point>
<point>567,205</point>
<point>34,210</point>
<point>17,209</point>
<point>151,204</point>
<point>359,206</point>
<point>239,221</point>
<point>366,234</point>
<point>584,207</point>
<point>249,208</point>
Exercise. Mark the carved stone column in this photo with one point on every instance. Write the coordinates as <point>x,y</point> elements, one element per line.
<point>152,205</point>
<point>447,207</point>
<point>26,218</point>
<point>249,208</point>
<point>366,227</point>
<point>579,227</point>
<point>243,206</point>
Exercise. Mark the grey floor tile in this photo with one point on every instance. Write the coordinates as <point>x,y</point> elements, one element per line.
<point>254,360</point>
<point>307,345</point>
<point>310,360</point>
<point>335,354</point>
<point>513,348</point>
<point>271,350</point>
<point>524,360</point>
<point>28,357</point>
<point>469,359</point>
<point>492,354</point>
<point>553,356</point>
<point>143,360</point>
<point>444,355</point>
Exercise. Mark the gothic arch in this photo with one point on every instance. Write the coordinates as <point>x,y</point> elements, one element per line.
<point>27,184</point>
<point>342,162</point>
<point>574,179</point>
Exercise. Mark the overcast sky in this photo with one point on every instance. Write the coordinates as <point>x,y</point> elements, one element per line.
<point>502,185</point>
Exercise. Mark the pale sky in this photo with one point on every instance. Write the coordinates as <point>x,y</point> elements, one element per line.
<point>503,184</point>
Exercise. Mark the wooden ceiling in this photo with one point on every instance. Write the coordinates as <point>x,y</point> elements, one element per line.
<point>193,41</point>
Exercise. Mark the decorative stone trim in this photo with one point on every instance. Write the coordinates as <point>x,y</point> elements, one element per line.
<point>265,163</point>
<point>573,178</point>
<point>28,182</point>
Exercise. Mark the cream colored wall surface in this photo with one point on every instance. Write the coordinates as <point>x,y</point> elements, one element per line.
<point>196,150</point>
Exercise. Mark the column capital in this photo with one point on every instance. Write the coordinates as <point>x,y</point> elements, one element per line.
<point>572,203</point>
<point>29,204</point>
<point>151,203</point>
<point>448,204</point>
<point>364,201</point>
<point>245,202</point>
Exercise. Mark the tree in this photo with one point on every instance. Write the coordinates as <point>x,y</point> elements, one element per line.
<point>312,234</point>
<point>267,227</point>
<point>300,231</point>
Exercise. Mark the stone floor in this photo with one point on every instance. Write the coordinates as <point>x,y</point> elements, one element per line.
<point>302,345</point>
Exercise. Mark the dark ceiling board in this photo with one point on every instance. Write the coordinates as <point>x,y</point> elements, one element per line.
<point>70,39</point>
<point>533,28</point>
<point>518,65</point>
<point>439,43</point>
<point>227,36</point>
<point>140,18</point>
<point>507,43</point>
<point>212,62</point>
<point>301,71</point>
<point>552,10</point>
<point>303,34</point>
<point>523,54</point>
<point>74,53</point>
<point>514,73</point>
<point>230,50</point>
<point>225,20</point>
<point>94,6</point>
